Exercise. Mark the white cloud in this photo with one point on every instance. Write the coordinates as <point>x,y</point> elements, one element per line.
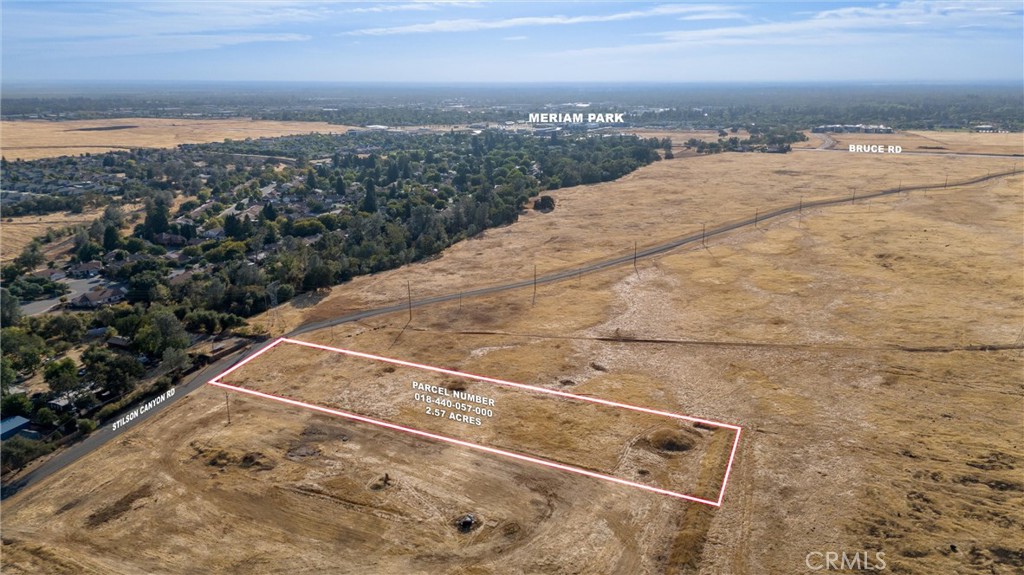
<point>473,24</point>
<point>906,21</point>
<point>46,21</point>
<point>389,8</point>
<point>118,28</point>
<point>721,15</point>
<point>415,5</point>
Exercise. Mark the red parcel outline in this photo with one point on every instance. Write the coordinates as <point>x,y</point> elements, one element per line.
<point>217,381</point>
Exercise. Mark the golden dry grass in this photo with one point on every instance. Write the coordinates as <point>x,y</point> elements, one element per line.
<point>652,205</point>
<point>30,140</point>
<point>931,142</point>
<point>19,232</point>
<point>791,330</point>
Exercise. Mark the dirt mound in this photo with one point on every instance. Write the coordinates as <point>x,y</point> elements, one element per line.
<point>672,440</point>
<point>119,507</point>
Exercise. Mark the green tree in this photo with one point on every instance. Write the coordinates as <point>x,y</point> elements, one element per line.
<point>67,326</point>
<point>89,251</point>
<point>115,372</point>
<point>175,359</point>
<point>31,257</point>
<point>369,204</point>
<point>16,404</point>
<point>62,376</point>
<point>23,348</point>
<point>318,274</point>
<point>160,330</point>
<point>157,217</point>
<point>86,426</point>
<point>111,238</point>
<point>16,452</point>
<point>233,227</point>
<point>46,416</point>
<point>10,312</point>
<point>269,212</point>
<point>113,216</point>
<point>8,376</point>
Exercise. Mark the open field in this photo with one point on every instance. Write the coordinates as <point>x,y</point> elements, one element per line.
<point>30,140</point>
<point>931,142</point>
<point>680,193</point>
<point>807,331</point>
<point>16,233</point>
<point>654,450</point>
<point>20,231</point>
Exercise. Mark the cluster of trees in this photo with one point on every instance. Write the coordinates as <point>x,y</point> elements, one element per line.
<point>25,351</point>
<point>428,192</point>
<point>101,377</point>
<point>34,288</point>
<point>40,205</point>
<point>759,140</point>
<point>402,198</point>
<point>423,194</point>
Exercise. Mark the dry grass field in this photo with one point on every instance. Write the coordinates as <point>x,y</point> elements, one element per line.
<point>19,232</point>
<point>930,142</point>
<point>839,339</point>
<point>16,233</point>
<point>665,200</point>
<point>30,140</point>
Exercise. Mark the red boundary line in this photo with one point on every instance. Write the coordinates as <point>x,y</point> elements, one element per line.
<point>721,494</point>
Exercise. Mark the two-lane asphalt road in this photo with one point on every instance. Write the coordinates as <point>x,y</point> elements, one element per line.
<point>63,458</point>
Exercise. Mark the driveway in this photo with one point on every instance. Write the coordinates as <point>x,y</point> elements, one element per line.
<point>78,287</point>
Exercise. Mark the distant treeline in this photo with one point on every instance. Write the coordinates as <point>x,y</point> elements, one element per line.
<point>711,106</point>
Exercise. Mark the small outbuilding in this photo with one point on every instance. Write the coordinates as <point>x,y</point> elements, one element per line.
<point>11,426</point>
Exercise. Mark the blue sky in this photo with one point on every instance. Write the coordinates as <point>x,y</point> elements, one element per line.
<point>415,41</point>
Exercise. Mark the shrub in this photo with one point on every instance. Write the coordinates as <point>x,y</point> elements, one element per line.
<point>17,451</point>
<point>544,204</point>
<point>86,426</point>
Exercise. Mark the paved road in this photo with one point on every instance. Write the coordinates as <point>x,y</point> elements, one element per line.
<point>78,287</point>
<point>104,434</point>
<point>100,437</point>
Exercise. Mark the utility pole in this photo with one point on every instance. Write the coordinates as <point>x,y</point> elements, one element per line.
<point>534,284</point>
<point>408,287</point>
<point>637,270</point>
<point>703,235</point>
<point>227,402</point>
